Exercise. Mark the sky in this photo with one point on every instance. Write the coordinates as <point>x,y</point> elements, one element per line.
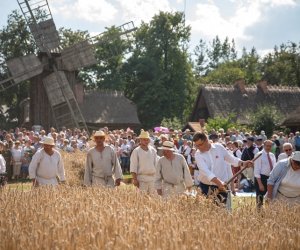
<point>251,23</point>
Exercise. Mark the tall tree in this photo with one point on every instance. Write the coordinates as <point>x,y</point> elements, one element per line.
<point>251,66</point>
<point>15,41</point>
<point>160,80</point>
<point>282,66</point>
<point>111,49</point>
<point>200,52</point>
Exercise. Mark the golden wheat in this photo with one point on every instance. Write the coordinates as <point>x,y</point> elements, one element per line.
<point>74,217</point>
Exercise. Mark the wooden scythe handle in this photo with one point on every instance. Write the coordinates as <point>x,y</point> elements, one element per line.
<point>241,170</point>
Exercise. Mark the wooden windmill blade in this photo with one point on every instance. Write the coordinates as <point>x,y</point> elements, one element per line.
<point>62,100</point>
<point>82,54</point>
<point>21,69</point>
<point>40,22</point>
<point>56,84</point>
<point>25,67</point>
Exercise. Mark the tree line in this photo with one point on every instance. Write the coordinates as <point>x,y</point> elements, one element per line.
<point>154,66</point>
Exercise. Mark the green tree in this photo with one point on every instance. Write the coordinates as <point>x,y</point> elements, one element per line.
<point>251,66</point>
<point>159,74</point>
<point>200,52</point>
<point>111,49</point>
<point>221,122</point>
<point>265,118</point>
<point>69,37</point>
<point>174,123</point>
<point>226,73</point>
<point>282,66</point>
<point>15,41</point>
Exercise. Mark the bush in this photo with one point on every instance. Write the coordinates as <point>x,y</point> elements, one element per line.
<point>220,122</point>
<point>265,118</point>
<point>174,123</point>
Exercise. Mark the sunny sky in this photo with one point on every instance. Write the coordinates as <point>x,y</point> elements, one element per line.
<point>258,23</point>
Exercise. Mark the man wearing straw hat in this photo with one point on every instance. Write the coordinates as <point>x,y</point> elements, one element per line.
<point>142,164</point>
<point>46,165</point>
<point>102,164</point>
<point>172,175</point>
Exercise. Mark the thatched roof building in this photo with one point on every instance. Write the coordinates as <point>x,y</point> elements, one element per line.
<point>109,108</point>
<point>221,100</point>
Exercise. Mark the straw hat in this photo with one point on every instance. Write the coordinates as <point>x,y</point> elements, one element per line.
<point>167,145</point>
<point>99,133</point>
<point>49,141</point>
<point>144,135</point>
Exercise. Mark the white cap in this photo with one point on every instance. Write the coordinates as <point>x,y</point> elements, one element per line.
<point>296,156</point>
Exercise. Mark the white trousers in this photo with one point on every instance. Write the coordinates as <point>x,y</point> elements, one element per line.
<point>100,181</point>
<point>17,168</point>
<point>170,189</point>
<point>249,173</point>
<point>147,187</point>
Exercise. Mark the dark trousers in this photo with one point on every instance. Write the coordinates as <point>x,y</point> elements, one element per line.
<point>259,194</point>
<point>212,190</point>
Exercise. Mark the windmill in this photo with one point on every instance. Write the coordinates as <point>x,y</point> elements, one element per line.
<point>52,70</point>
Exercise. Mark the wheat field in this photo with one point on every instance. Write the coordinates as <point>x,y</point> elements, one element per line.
<point>74,217</point>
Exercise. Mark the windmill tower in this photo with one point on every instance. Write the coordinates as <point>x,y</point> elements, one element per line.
<point>52,72</point>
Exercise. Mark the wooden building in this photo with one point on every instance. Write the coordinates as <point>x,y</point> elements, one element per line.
<point>241,99</point>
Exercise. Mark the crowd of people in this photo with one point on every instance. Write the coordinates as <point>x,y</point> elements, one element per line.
<point>159,162</point>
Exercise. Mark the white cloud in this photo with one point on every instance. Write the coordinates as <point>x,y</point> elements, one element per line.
<point>143,10</point>
<point>277,3</point>
<point>88,10</point>
<point>210,22</point>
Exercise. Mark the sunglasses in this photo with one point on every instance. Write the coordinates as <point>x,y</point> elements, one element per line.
<point>288,150</point>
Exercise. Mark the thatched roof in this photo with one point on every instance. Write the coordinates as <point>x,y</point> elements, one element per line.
<point>193,126</point>
<point>293,119</point>
<point>221,100</point>
<point>109,107</point>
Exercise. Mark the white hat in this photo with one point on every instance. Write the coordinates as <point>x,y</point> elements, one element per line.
<point>259,137</point>
<point>167,145</point>
<point>49,141</point>
<point>296,156</point>
<point>262,132</point>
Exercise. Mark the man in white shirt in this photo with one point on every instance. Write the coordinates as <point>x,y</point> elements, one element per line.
<point>2,164</point>
<point>287,151</point>
<point>172,175</point>
<point>262,169</point>
<point>16,152</point>
<point>102,164</point>
<point>143,162</point>
<point>46,165</point>
<point>212,162</point>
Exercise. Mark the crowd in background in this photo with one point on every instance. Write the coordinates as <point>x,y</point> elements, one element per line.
<point>19,145</point>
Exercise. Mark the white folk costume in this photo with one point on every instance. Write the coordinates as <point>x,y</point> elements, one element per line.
<point>46,168</point>
<point>173,176</point>
<point>143,163</point>
<point>101,167</point>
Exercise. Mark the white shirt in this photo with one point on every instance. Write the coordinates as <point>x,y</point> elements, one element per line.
<point>102,164</point>
<point>2,164</point>
<point>174,171</point>
<point>213,163</point>
<point>262,165</point>
<point>16,154</point>
<point>143,163</point>
<point>238,153</point>
<point>282,156</point>
<point>290,184</point>
<point>45,168</point>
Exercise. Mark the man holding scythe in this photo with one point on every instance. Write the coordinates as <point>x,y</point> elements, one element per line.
<point>211,159</point>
